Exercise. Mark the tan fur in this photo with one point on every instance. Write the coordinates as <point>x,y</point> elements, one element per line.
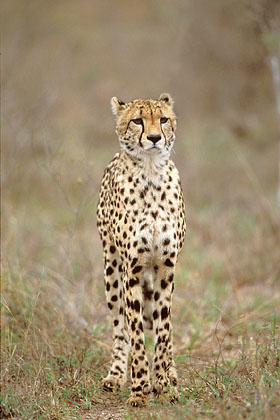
<point>141,220</point>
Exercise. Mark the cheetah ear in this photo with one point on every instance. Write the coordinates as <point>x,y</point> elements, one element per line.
<point>117,105</point>
<point>165,97</point>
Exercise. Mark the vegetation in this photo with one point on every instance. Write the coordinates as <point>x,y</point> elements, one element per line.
<point>57,139</point>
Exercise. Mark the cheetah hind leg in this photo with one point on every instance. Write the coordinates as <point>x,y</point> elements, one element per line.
<point>170,395</point>
<point>172,375</point>
<point>117,375</point>
<point>112,383</point>
<point>140,400</point>
<point>166,394</point>
<point>148,290</point>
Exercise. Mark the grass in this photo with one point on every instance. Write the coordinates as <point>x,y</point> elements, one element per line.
<point>58,136</point>
<point>56,332</point>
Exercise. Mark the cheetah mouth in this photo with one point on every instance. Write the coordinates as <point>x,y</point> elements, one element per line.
<point>153,148</point>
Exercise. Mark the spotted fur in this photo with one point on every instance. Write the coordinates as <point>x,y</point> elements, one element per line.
<point>141,221</point>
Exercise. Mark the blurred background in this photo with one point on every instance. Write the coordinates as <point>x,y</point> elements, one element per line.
<point>62,61</point>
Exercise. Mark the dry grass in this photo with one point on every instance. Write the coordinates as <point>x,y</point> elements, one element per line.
<point>56,331</point>
<point>57,139</point>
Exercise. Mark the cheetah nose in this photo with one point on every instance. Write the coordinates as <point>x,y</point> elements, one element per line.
<point>154,138</point>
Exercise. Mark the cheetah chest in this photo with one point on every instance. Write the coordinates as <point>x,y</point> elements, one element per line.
<point>146,216</point>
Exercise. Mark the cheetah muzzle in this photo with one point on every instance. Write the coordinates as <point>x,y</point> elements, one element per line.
<point>141,221</point>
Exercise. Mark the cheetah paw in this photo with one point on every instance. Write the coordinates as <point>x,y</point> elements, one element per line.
<point>166,394</point>
<point>135,401</point>
<point>111,384</point>
<point>173,395</point>
<point>172,376</point>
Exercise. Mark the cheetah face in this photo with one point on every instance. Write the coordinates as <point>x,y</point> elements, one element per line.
<point>145,126</point>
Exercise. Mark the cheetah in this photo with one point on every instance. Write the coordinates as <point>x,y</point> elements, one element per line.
<point>141,222</point>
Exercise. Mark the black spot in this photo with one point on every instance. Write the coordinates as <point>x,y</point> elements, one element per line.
<point>114,298</point>
<point>114,263</point>
<point>154,214</point>
<point>137,269</point>
<point>112,249</point>
<point>156,296</point>
<point>169,263</point>
<point>109,271</point>
<point>170,278</point>
<point>115,285</point>
<point>134,261</point>
<point>133,282</point>
<point>155,314</point>
<point>164,313</point>
<point>148,294</point>
<point>166,241</point>
<point>137,305</point>
<point>107,286</point>
<point>116,322</point>
<point>110,306</point>
<point>163,195</point>
<point>163,284</point>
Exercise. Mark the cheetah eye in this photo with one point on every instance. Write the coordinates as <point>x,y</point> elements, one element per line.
<point>137,121</point>
<point>163,120</point>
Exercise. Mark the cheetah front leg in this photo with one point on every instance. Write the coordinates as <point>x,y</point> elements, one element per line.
<point>117,375</point>
<point>164,371</point>
<point>134,313</point>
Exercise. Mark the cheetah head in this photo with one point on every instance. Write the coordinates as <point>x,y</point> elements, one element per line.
<point>145,127</point>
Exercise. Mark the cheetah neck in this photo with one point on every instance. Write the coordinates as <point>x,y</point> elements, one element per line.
<point>151,165</point>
